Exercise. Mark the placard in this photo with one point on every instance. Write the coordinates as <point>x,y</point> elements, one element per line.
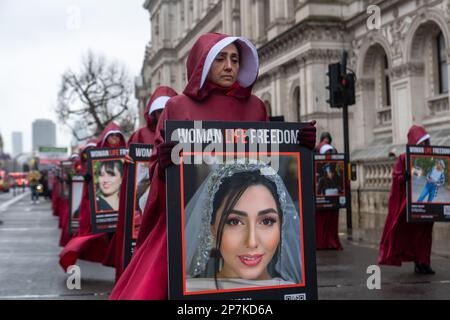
<point>240,212</point>
<point>428,189</point>
<point>106,167</point>
<point>138,189</point>
<point>330,175</point>
<point>75,196</point>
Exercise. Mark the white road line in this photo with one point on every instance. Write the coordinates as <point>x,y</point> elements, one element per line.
<point>5,206</point>
<point>43,296</point>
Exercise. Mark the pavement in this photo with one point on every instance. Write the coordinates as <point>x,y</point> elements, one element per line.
<point>29,266</point>
<point>29,250</point>
<point>343,275</point>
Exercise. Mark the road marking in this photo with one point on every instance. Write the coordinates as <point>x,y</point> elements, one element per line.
<point>5,206</point>
<point>50,296</point>
<point>28,229</point>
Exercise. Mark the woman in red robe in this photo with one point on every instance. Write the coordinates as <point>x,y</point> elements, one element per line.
<point>145,135</point>
<point>402,241</point>
<point>327,221</point>
<point>55,196</point>
<point>221,73</point>
<point>64,210</point>
<point>85,245</point>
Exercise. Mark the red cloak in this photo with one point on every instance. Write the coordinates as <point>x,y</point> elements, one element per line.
<point>64,211</point>
<point>402,241</point>
<point>146,276</point>
<point>55,196</point>
<point>145,135</point>
<point>327,224</point>
<point>87,246</point>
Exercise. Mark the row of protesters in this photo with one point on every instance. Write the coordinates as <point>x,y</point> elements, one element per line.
<point>93,247</point>
<point>85,245</point>
<point>144,135</point>
<point>221,73</point>
<point>401,241</point>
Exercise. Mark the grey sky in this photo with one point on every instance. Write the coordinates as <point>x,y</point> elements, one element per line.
<point>40,39</point>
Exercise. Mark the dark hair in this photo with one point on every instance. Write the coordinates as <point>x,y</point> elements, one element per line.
<point>142,187</point>
<point>230,191</point>
<point>109,167</point>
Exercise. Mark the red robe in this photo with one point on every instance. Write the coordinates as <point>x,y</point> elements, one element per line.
<point>145,135</point>
<point>402,241</point>
<point>327,224</point>
<point>85,245</point>
<point>55,197</point>
<point>64,215</point>
<point>146,276</point>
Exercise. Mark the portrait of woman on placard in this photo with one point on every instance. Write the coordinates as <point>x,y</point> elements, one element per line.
<point>330,181</point>
<point>141,194</point>
<point>109,178</point>
<point>242,230</point>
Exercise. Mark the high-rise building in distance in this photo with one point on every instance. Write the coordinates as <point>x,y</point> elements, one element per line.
<point>17,143</point>
<point>44,134</point>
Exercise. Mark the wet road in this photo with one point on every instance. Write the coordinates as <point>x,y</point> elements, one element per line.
<point>29,266</point>
<point>29,252</point>
<point>343,276</point>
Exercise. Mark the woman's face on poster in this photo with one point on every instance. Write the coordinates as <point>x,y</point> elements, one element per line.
<point>439,166</point>
<point>109,183</point>
<point>251,235</point>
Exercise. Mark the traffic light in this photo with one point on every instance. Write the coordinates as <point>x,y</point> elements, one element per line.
<point>334,86</point>
<point>341,85</point>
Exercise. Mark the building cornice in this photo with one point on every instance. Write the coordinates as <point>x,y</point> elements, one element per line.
<point>166,53</point>
<point>409,69</point>
<point>299,34</point>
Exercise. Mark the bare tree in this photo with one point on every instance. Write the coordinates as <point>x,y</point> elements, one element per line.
<point>100,93</point>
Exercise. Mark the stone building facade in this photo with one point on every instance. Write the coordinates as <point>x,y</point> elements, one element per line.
<point>402,72</point>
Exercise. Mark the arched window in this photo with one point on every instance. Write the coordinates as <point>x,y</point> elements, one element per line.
<point>442,64</point>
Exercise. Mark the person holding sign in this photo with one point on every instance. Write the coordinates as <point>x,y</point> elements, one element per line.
<point>85,245</point>
<point>64,208</point>
<point>327,221</point>
<point>144,135</point>
<point>221,73</point>
<point>402,241</point>
<point>235,225</point>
